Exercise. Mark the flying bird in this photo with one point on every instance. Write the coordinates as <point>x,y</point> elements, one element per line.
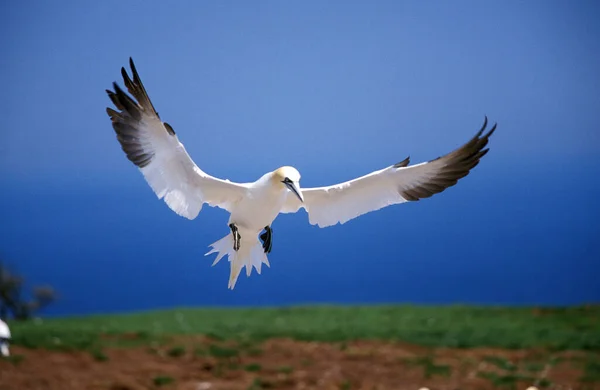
<point>155,149</point>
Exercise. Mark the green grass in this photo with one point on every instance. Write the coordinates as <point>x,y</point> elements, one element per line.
<point>162,380</point>
<point>14,359</point>
<point>254,351</point>
<point>98,355</point>
<point>430,368</point>
<point>201,351</point>
<point>345,385</point>
<point>286,369</point>
<point>591,371</point>
<point>176,351</point>
<point>533,367</point>
<point>222,352</point>
<point>500,362</point>
<point>544,383</point>
<point>575,328</point>
<point>259,383</point>
<point>509,381</point>
<point>253,367</point>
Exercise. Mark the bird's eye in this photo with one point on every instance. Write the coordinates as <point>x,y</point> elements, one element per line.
<point>287,180</point>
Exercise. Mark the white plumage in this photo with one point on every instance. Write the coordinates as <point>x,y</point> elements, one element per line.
<point>4,339</point>
<point>155,149</point>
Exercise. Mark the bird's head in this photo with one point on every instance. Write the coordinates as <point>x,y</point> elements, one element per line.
<point>289,178</point>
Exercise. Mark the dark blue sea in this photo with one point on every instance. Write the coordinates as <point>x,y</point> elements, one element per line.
<point>530,236</point>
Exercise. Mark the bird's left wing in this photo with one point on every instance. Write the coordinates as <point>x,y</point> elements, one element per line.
<point>153,147</point>
<point>399,183</point>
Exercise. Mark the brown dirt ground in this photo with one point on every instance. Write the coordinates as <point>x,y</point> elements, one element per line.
<point>289,364</point>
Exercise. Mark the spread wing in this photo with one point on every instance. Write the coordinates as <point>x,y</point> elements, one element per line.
<point>399,183</point>
<point>155,149</point>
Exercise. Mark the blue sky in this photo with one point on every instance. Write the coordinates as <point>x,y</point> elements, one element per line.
<point>337,89</point>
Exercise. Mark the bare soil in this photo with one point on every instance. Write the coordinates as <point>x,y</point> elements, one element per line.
<point>194,363</point>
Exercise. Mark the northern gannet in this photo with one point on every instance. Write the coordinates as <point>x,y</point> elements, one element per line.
<point>154,148</point>
<point>4,339</point>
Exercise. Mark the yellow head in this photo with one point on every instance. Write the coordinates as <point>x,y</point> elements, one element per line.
<point>290,178</point>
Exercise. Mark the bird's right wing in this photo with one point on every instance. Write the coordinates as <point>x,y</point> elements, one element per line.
<point>155,149</point>
<point>399,183</point>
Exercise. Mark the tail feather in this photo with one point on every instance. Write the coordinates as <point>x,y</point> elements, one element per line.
<point>250,254</point>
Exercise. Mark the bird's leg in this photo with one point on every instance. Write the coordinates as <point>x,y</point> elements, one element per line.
<point>267,239</point>
<point>236,237</point>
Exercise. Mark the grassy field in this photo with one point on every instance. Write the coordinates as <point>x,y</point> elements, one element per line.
<point>574,328</point>
<point>399,347</point>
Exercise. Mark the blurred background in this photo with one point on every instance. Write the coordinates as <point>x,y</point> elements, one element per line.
<point>337,89</point>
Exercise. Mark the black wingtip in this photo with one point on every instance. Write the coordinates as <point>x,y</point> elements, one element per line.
<point>403,163</point>
<point>168,127</point>
<point>491,131</point>
<point>485,122</point>
<point>132,66</point>
<point>126,79</point>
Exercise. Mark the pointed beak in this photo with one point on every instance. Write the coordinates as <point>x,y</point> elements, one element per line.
<point>294,188</point>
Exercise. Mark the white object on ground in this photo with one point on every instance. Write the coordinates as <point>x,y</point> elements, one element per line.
<point>4,339</point>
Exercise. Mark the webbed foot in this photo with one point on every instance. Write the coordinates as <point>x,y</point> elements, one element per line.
<point>236,237</point>
<point>267,239</point>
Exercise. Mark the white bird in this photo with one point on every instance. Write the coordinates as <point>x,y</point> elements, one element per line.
<point>155,149</point>
<point>4,339</point>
